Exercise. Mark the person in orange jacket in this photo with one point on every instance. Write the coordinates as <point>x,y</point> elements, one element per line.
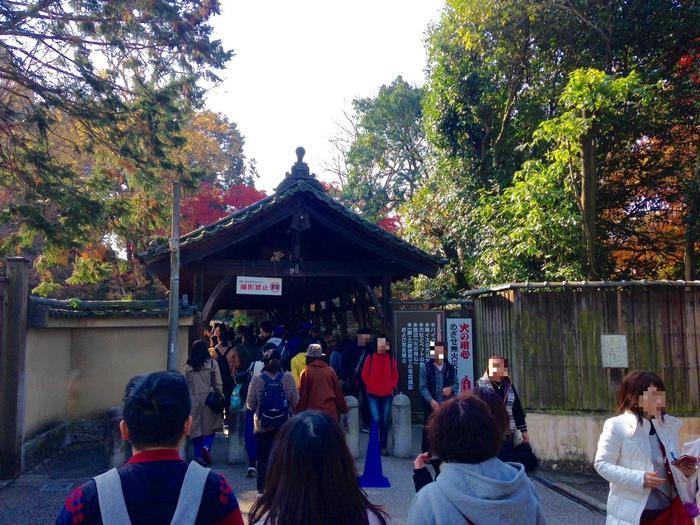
<point>381,375</point>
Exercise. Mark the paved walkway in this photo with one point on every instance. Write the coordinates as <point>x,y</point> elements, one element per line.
<point>36,497</point>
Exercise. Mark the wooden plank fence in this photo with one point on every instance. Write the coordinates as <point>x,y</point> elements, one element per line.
<point>552,340</point>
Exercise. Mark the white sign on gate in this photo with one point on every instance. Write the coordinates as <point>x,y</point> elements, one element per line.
<point>258,285</point>
<point>460,350</point>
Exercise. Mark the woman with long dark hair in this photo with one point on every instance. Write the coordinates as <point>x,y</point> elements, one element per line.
<point>227,359</point>
<point>199,372</point>
<point>311,478</point>
<point>636,453</point>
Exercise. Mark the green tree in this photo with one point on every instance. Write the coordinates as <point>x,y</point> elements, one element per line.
<point>497,71</point>
<point>102,78</point>
<point>382,152</point>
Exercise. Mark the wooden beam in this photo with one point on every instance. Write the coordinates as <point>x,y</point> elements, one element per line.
<point>386,305</point>
<point>343,316</point>
<point>282,269</point>
<point>208,310</point>
<point>359,235</point>
<point>224,240</point>
<point>373,296</point>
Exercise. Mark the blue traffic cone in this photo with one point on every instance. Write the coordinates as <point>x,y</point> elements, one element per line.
<point>373,476</point>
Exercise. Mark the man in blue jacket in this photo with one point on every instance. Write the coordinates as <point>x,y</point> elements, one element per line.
<point>438,383</point>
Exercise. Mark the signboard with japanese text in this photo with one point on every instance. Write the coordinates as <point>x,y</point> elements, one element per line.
<point>460,350</point>
<point>258,285</point>
<point>414,330</point>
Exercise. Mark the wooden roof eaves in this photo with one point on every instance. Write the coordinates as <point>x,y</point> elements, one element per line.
<point>422,262</point>
<point>412,263</point>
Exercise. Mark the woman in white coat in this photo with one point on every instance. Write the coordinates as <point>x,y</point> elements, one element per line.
<point>692,448</point>
<point>631,450</point>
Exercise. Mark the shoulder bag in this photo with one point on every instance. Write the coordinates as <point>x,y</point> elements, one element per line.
<point>215,399</point>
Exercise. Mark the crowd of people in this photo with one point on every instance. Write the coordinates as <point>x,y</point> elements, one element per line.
<point>293,387</point>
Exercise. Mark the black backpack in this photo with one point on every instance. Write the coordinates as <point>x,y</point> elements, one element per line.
<point>274,410</point>
<point>224,368</point>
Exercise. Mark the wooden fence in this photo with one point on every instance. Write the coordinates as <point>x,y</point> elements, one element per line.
<point>552,340</point>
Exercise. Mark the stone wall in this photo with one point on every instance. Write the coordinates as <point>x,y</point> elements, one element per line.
<point>76,369</point>
<point>569,441</point>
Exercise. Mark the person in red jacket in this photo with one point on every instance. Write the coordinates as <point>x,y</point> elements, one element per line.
<point>381,375</point>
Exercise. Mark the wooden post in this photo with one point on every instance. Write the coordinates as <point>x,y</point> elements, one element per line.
<point>174,303</point>
<point>198,302</point>
<point>343,316</point>
<point>386,305</point>
<point>12,372</point>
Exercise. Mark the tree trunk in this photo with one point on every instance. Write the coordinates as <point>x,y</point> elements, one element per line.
<point>453,255</point>
<point>589,188</point>
<point>689,255</point>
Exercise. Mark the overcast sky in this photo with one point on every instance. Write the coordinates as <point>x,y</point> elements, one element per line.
<point>298,65</point>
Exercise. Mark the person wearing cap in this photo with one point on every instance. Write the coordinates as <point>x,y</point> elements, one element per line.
<point>319,386</point>
<point>259,386</point>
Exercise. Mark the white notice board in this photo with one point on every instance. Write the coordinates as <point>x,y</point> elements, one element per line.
<point>614,351</point>
<point>258,285</point>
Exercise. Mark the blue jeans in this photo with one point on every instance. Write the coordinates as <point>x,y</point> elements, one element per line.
<point>201,442</point>
<point>380,409</point>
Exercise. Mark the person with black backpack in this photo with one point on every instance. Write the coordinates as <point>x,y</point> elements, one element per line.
<point>227,358</point>
<point>272,396</point>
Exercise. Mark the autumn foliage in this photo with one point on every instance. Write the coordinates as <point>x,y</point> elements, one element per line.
<point>211,202</point>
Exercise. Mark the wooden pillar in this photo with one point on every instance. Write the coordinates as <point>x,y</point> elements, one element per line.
<point>343,315</point>
<point>198,301</point>
<point>388,314</point>
<point>12,368</point>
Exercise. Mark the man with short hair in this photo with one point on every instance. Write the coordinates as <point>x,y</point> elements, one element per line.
<point>156,485</point>
<point>265,333</point>
<point>438,383</point>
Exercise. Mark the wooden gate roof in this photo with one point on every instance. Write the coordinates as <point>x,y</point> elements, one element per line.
<point>299,231</point>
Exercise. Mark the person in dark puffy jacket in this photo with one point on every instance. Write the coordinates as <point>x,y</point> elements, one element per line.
<point>438,383</point>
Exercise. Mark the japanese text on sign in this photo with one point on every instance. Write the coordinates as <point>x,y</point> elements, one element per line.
<point>460,350</point>
<point>258,285</point>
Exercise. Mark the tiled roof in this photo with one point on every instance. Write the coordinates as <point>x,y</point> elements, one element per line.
<point>311,186</point>
<point>75,309</point>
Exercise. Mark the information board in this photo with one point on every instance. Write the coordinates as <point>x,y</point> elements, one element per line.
<point>414,330</point>
<point>614,351</point>
<point>258,285</point>
<point>460,350</point>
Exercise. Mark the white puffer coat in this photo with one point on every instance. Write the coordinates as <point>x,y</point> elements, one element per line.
<point>693,449</point>
<point>624,456</point>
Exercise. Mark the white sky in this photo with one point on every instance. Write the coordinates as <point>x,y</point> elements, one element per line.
<point>298,65</point>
